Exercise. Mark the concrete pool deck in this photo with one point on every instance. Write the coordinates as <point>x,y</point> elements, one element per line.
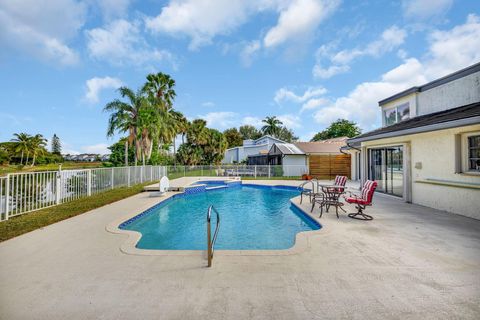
<point>410,262</point>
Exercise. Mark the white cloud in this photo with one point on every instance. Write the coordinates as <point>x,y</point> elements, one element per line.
<point>42,29</point>
<point>249,51</point>
<point>220,120</point>
<point>100,148</point>
<point>253,121</point>
<point>121,42</point>
<point>299,19</point>
<point>448,51</point>
<point>112,9</point>
<point>200,20</point>
<point>425,9</point>
<point>284,94</point>
<point>314,103</point>
<point>208,104</point>
<point>290,120</point>
<point>390,39</point>
<point>96,85</point>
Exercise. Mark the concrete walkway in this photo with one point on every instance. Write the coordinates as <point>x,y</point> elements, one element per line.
<point>411,262</point>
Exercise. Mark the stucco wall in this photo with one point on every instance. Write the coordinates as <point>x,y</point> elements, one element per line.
<point>434,154</point>
<point>453,94</point>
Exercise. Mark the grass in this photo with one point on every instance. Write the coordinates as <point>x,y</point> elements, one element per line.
<point>5,169</point>
<point>38,219</point>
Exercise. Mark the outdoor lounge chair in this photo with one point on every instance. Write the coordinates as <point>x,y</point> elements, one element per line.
<point>362,200</point>
<point>308,192</point>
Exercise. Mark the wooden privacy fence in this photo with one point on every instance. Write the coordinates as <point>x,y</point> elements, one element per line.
<point>326,167</point>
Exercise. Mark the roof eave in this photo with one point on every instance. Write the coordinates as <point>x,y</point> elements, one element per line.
<point>427,128</point>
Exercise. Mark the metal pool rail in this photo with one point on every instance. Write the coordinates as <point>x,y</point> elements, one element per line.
<point>210,241</point>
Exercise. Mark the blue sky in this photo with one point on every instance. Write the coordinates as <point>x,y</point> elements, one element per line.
<point>308,62</point>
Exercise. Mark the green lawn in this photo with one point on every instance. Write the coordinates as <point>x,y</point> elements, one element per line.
<point>30,221</point>
<point>4,169</point>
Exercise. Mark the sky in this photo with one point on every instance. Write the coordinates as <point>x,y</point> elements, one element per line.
<point>308,62</point>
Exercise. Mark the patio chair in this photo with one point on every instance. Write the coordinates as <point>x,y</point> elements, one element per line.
<point>362,200</point>
<point>330,195</point>
<point>308,192</point>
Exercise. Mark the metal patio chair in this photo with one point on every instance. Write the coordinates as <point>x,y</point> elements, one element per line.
<point>308,192</point>
<point>330,195</point>
<point>362,200</point>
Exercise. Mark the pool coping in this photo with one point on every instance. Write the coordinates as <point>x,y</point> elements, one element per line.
<point>300,245</point>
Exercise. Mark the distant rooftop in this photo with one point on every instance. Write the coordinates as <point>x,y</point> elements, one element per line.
<point>324,146</point>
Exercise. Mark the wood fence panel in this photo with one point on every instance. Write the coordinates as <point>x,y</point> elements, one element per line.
<point>326,167</point>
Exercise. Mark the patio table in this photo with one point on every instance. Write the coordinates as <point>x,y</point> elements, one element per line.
<point>330,196</point>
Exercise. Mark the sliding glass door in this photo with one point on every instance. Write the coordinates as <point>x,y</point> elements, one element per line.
<point>386,167</point>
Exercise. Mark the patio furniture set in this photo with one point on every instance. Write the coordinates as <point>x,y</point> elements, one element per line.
<point>330,195</point>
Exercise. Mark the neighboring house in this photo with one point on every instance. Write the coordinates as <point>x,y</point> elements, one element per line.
<point>249,148</point>
<point>321,159</point>
<point>325,158</point>
<point>84,157</point>
<point>428,150</point>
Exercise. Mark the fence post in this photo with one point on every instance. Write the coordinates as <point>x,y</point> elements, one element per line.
<point>184,171</point>
<point>128,175</point>
<point>201,171</point>
<point>58,187</point>
<point>113,173</point>
<point>141,174</point>
<point>89,182</point>
<point>151,173</point>
<point>255,171</point>
<point>269,171</point>
<point>7,196</point>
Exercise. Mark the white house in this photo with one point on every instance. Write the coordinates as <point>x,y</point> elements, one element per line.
<point>250,147</point>
<point>428,150</point>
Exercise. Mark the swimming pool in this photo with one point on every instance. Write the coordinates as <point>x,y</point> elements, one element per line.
<point>211,183</point>
<point>252,218</point>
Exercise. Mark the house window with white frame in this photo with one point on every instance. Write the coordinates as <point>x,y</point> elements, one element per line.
<point>473,153</point>
<point>396,114</point>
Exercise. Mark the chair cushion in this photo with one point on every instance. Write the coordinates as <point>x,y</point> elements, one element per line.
<point>356,200</point>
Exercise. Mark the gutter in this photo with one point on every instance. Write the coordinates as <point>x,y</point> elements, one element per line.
<point>429,128</point>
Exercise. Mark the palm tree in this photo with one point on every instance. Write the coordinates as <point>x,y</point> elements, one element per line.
<point>125,116</point>
<point>159,87</point>
<point>272,126</point>
<point>197,133</point>
<point>37,145</point>
<point>21,144</point>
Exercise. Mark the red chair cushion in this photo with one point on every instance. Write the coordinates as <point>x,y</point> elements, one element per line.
<point>356,200</point>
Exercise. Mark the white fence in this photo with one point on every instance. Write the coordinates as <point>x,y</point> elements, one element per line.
<point>25,192</point>
<point>256,171</point>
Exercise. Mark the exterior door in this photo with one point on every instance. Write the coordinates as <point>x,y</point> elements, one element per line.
<point>386,167</point>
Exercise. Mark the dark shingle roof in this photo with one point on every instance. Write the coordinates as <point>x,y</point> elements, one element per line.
<point>427,122</point>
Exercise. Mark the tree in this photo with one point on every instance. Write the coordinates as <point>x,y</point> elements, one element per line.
<point>214,149</point>
<point>37,145</point>
<point>22,144</point>
<point>117,153</point>
<point>160,87</point>
<point>124,116</point>
<point>56,145</point>
<point>286,135</point>
<point>234,138</point>
<point>272,126</point>
<point>339,128</point>
<point>249,132</point>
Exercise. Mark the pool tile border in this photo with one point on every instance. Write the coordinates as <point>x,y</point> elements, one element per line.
<point>301,243</point>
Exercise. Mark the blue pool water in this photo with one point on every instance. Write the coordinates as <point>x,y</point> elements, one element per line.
<point>251,218</point>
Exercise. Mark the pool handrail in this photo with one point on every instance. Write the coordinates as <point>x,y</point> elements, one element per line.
<point>210,242</point>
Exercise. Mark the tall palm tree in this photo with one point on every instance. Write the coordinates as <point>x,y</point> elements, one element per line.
<point>21,140</point>
<point>124,116</point>
<point>160,88</point>
<point>197,133</point>
<point>37,145</point>
<point>272,126</point>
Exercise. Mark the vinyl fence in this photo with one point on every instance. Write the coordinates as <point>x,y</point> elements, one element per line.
<point>25,192</point>
<point>251,171</point>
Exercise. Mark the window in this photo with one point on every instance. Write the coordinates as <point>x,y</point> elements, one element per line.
<point>474,153</point>
<point>397,114</point>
